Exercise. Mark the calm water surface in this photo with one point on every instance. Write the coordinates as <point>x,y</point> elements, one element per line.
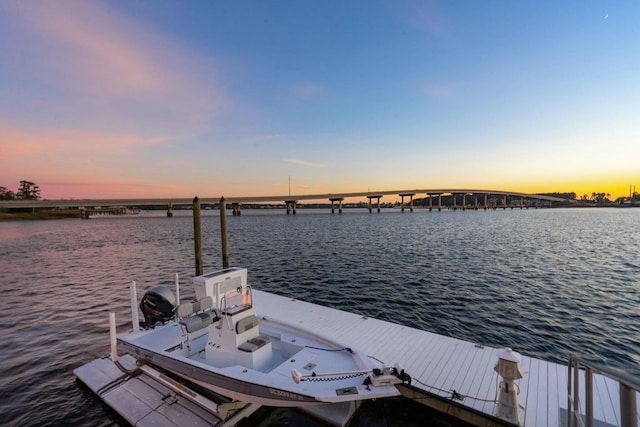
<point>544,282</point>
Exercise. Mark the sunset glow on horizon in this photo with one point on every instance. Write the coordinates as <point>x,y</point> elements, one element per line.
<point>120,99</point>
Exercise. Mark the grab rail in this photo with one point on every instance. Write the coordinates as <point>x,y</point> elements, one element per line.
<point>629,386</point>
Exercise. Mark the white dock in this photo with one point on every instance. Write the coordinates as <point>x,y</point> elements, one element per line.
<point>448,374</point>
<point>439,365</point>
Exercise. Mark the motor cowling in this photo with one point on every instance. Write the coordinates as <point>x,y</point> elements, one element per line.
<point>158,305</point>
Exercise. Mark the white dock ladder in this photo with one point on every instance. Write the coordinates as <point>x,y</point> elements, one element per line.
<point>628,389</point>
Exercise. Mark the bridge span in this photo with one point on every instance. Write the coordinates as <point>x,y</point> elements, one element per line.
<point>457,199</point>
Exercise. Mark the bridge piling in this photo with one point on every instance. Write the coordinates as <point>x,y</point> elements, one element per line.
<point>291,206</point>
<point>333,200</point>
<point>371,197</point>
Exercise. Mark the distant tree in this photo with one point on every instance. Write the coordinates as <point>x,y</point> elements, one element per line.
<point>28,191</point>
<point>6,194</point>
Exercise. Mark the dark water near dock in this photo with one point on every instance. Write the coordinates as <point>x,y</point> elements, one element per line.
<point>544,282</point>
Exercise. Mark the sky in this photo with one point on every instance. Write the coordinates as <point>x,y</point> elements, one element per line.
<point>164,98</point>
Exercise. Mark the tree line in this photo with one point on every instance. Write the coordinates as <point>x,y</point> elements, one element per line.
<point>27,190</point>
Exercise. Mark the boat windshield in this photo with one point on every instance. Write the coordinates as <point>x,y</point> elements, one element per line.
<point>237,300</point>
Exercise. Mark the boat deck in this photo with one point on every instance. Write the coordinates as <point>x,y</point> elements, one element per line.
<point>440,365</point>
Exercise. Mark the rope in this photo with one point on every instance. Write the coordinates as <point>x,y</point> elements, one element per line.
<point>330,349</point>
<point>455,394</point>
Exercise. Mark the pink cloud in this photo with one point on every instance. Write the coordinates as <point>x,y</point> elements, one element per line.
<point>18,143</point>
<point>78,158</point>
<point>426,17</point>
<point>92,51</point>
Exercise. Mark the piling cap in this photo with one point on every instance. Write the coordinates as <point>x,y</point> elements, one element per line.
<point>509,355</point>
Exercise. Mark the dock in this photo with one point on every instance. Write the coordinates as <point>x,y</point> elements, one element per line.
<point>450,375</point>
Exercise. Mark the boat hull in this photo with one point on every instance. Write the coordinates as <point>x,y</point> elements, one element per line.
<point>224,385</point>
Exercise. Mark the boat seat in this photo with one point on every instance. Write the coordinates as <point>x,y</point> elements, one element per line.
<point>254,343</point>
<point>247,323</point>
<point>257,341</point>
<point>194,316</point>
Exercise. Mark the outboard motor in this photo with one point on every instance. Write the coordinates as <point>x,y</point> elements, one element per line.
<point>158,305</point>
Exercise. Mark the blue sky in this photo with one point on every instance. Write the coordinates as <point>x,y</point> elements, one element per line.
<point>211,98</point>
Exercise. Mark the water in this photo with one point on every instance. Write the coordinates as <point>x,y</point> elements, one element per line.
<point>545,282</point>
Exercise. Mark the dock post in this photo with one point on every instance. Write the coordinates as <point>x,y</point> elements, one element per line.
<point>370,207</point>
<point>223,233</point>
<point>576,392</point>
<point>588,396</point>
<point>170,210</point>
<point>569,417</point>
<point>402,203</point>
<point>628,407</point>
<point>197,236</point>
<point>464,201</point>
<point>439,202</point>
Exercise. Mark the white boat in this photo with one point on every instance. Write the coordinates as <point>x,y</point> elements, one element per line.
<point>223,344</point>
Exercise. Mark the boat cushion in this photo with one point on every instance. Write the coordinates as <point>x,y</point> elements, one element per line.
<point>198,321</point>
<point>247,323</point>
<point>254,343</point>
<point>195,322</point>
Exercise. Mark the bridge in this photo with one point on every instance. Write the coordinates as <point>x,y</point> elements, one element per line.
<point>458,199</point>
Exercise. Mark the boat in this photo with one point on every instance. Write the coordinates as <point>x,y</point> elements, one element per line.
<point>223,344</point>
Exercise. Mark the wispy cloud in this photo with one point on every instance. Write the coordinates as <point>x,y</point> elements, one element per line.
<point>306,90</point>
<point>438,90</point>
<point>424,16</point>
<point>17,143</point>
<point>110,63</point>
<point>304,163</point>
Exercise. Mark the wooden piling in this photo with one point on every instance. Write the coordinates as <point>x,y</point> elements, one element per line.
<point>223,233</point>
<point>197,236</point>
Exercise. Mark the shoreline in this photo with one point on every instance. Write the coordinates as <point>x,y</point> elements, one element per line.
<point>26,216</point>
